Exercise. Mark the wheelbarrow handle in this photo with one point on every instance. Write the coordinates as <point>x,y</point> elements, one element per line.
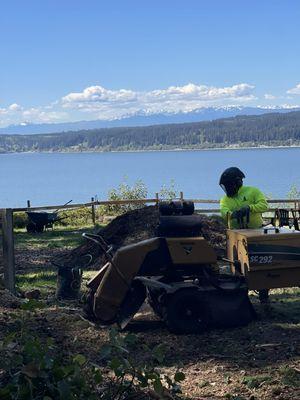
<point>99,240</point>
<point>107,251</point>
<point>70,201</point>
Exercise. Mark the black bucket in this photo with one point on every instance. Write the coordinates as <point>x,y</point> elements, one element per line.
<point>68,283</point>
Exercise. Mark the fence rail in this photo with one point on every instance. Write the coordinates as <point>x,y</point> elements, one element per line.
<point>6,221</point>
<point>156,200</point>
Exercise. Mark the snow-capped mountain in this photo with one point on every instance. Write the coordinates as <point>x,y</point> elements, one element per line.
<point>142,119</point>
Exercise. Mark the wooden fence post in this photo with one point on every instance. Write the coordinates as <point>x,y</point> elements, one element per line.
<point>157,198</point>
<point>8,249</point>
<point>93,211</point>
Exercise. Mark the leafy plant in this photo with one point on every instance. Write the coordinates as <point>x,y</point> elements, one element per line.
<point>20,220</point>
<point>76,217</point>
<point>124,191</point>
<point>36,370</point>
<point>294,193</point>
<point>168,192</point>
<point>130,376</point>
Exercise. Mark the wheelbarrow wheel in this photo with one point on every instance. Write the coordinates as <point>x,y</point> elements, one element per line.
<point>39,228</point>
<point>30,227</point>
<point>184,312</point>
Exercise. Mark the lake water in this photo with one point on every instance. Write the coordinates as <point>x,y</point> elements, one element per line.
<point>58,177</point>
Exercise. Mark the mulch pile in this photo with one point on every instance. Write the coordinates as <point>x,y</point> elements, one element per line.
<point>134,226</point>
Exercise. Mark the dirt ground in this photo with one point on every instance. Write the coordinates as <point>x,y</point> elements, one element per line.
<point>260,361</point>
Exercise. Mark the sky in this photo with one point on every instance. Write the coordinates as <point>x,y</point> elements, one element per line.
<point>73,60</point>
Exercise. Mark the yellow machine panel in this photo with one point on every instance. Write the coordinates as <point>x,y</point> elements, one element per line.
<point>118,277</point>
<point>195,250</point>
<point>267,259</point>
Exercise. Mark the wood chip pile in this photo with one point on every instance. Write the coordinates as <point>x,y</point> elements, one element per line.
<point>134,226</point>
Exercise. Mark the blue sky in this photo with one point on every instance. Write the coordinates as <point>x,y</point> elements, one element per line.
<point>73,59</point>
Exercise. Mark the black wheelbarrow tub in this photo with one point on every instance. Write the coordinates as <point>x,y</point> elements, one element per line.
<point>42,217</point>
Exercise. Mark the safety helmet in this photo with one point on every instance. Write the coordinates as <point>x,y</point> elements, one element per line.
<point>231,180</point>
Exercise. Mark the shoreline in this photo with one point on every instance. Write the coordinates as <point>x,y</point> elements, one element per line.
<point>156,150</point>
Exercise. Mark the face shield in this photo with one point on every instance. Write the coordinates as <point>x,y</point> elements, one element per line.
<point>231,188</point>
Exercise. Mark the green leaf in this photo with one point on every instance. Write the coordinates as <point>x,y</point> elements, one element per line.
<point>79,359</point>
<point>158,387</point>
<point>115,363</point>
<point>58,373</point>
<point>179,376</point>
<point>98,376</point>
<point>105,351</point>
<point>64,390</point>
<point>131,339</point>
<point>159,352</point>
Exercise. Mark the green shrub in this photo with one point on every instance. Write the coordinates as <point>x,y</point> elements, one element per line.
<point>20,220</point>
<point>137,191</point>
<point>129,375</point>
<point>168,192</point>
<point>294,193</point>
<point>37,369</point>
<point>76,217</point>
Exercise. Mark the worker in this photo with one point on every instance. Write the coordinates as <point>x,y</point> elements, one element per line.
<point>240,200</point>
<point>242,205</point>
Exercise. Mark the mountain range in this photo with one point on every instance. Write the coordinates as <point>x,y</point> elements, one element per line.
<point>272,129</point>
<point>142,119</point>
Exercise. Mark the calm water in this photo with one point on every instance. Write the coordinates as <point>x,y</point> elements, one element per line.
<point>57,178</point>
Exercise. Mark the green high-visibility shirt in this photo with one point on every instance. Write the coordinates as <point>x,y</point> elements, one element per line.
<point>246,196</point>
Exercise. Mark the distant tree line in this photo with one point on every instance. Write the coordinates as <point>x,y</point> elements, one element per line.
<point>268,129</point>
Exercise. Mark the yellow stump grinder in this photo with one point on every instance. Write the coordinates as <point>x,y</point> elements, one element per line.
<point>177,271</point>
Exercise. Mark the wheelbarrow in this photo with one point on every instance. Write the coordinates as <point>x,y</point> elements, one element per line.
<point>39,220</point>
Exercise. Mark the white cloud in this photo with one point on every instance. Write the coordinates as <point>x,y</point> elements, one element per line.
<point>202,92</point>
<point>14,107</point>
<point>97,102</point>
<point>100,94</point>
<point>295,90</point>
<point>268,96</point>
<point>16,114</point>
<point>115,103</point>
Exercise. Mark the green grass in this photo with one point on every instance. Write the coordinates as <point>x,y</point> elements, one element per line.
<point>59,238</point>
<point>45,281</point>
<point>290,376</point>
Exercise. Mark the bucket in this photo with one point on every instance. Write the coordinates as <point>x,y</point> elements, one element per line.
<point>68,283</point>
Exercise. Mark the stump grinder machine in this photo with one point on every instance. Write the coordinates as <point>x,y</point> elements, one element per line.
<point>177,271</point>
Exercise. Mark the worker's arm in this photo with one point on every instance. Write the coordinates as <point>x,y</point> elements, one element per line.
<point>260,204</point>
<point>224,209</point>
